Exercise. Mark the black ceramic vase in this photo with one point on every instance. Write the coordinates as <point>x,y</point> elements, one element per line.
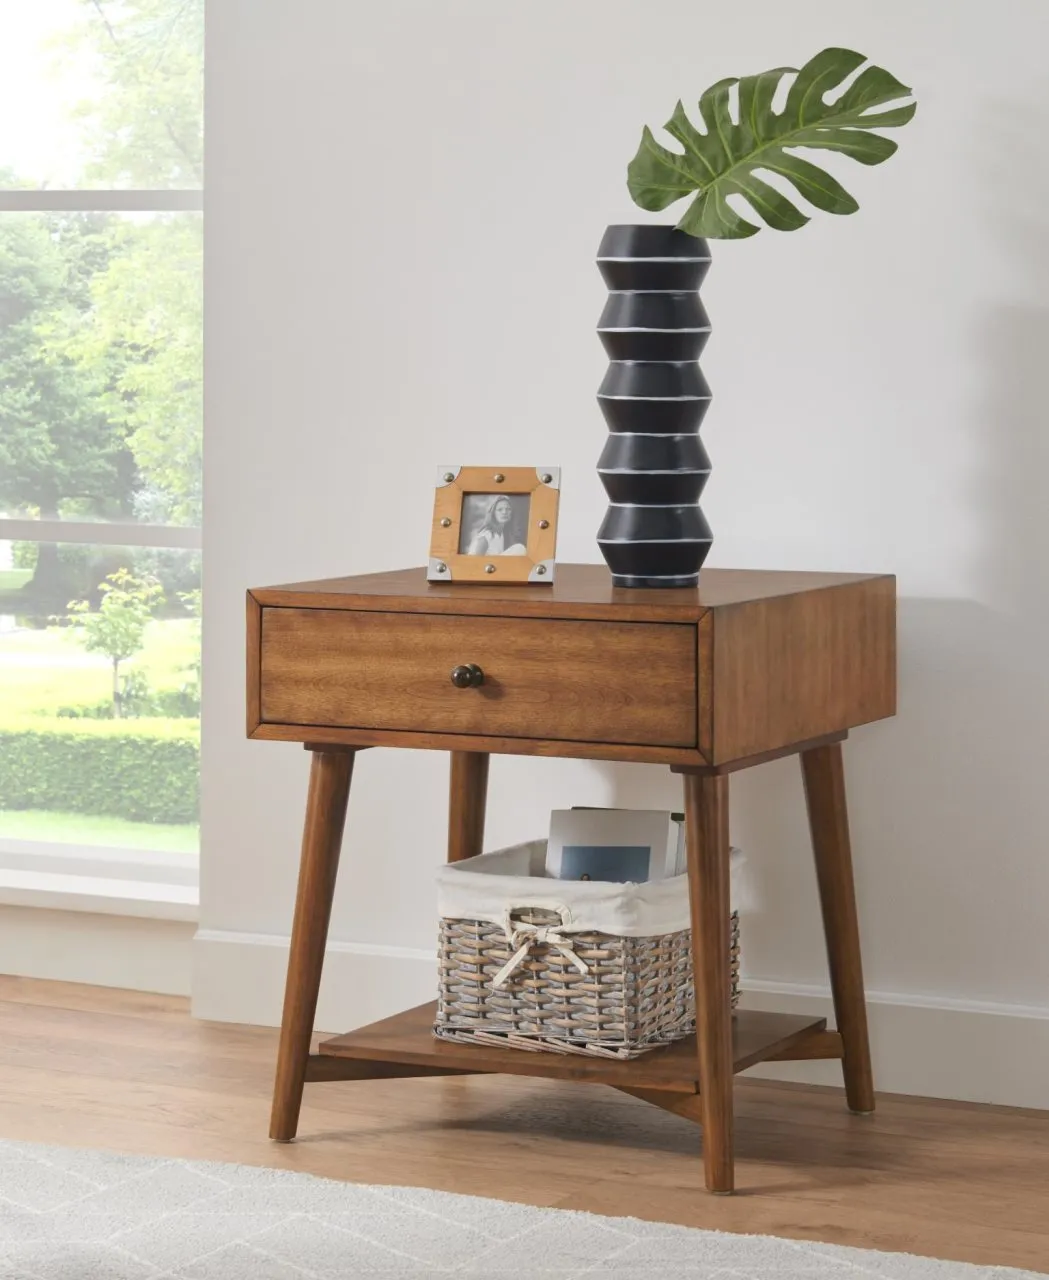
<point>653,397</point>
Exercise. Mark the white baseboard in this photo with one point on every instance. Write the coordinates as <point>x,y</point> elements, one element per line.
<point>101,949</point>
<point>929,1046</point>
<point>239,977</point>
<point>923,1045</point>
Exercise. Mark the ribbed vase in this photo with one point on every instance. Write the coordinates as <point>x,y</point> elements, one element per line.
<point>653,397</point>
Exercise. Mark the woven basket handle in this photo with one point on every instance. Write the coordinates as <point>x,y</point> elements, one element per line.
<point>522,936</point>
<point>552,917</point>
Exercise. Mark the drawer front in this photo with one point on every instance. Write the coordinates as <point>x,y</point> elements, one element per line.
<point>614,682</point>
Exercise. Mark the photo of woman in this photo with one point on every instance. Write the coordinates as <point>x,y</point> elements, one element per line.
<point>494,524</point>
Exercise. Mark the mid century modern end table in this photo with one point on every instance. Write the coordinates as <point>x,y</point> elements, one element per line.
<point>748,667</point>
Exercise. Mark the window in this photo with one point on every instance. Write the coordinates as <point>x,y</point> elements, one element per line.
<point>101,173</point>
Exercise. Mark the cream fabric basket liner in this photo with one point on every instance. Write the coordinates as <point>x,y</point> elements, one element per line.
<point>492,886</point>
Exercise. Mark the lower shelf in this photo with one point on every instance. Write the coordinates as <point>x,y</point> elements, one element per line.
<point>407,1041</point>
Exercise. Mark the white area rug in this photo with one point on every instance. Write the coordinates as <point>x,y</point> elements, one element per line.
<point>87,1215</point>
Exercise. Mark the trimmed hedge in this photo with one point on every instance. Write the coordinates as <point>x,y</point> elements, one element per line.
<point>142,770</point>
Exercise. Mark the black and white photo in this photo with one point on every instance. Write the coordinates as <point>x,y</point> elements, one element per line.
<point>494,524</point>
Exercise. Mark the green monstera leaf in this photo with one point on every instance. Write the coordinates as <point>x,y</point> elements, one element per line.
<point>727,157</point>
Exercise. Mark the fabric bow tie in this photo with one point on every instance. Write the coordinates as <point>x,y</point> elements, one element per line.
<point>524,937</point>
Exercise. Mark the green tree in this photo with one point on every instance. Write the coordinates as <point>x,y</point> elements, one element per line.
<point>145,126</point>
<point>62,452</point>
<point>118,627</point>
<point>100,315</point>
<point>147,326</point>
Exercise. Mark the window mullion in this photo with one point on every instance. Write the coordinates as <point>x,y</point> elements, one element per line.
<point>90,201</point>
<point>100,533</point>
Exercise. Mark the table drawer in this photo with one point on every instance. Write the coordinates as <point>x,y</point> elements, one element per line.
<point>621,682</point>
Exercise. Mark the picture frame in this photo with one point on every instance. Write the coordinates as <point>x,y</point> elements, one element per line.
<point>494,525</point>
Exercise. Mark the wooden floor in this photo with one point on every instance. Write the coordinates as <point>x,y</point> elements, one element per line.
<point>83,1066</point>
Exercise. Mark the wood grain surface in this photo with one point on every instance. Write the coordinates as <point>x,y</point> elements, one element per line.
<point>467,800</point>
<point>797,666</point>
<point>123,1071</point>
<point>580,591</point>
<point>252,663</point>
<point>567,680</point>
<point>707,846</point>
<point>408,1037</point>
<point>824,774</point>
<point>551,747</point>
<point>778,659</point>
<point>330,775</point>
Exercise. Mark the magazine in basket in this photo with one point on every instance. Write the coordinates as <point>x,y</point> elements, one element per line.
<point>625,845</point>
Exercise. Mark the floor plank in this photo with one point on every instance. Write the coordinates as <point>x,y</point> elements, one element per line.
<point>85,1066</point>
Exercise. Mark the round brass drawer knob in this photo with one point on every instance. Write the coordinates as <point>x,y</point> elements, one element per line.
<point>467,676</point>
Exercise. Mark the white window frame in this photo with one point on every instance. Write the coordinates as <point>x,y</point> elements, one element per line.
<point>138,882</point>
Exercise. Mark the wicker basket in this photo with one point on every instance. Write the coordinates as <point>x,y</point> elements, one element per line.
<point>530,983</point>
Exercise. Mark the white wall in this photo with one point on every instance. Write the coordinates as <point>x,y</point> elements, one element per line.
<point>404,204</point>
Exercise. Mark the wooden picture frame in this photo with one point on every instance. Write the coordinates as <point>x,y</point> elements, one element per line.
<point>469,516</point>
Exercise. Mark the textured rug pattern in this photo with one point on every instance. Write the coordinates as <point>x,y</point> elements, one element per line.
<point>87,1215</point>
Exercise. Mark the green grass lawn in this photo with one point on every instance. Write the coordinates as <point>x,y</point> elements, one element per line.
<point>14,579</point>
<point>43,670</point>
<point>81,828</point>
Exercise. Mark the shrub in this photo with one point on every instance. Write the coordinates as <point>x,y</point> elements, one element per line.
<point>138,700</point>
<point>178,703</point>
<point>142,770</point>
<point>87,711</point>
<point>178,572</point>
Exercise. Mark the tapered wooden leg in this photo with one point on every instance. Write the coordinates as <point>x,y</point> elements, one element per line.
<point>468,795</point>
<point>330,773</point>
<point>706,828</point>
<point>829,821</point>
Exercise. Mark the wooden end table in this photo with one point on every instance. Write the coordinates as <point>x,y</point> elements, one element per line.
<point>748,667</point>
